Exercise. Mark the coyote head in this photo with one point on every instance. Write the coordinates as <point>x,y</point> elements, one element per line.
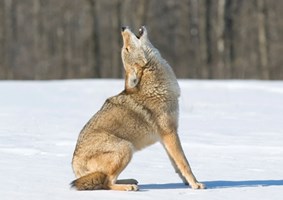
<point>134,55</point>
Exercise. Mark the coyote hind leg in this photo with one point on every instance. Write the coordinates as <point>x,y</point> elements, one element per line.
<point>119,158</point>
<point>109,158</point>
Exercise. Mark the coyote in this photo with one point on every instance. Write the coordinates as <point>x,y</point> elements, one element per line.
<point>145,112</point>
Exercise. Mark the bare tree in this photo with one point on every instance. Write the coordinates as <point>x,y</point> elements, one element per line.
<point>50,39</point>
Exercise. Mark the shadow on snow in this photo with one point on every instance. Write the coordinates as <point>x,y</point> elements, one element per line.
<point>216,184</point>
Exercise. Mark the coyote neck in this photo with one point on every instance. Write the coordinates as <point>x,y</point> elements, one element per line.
<point>159,81</point>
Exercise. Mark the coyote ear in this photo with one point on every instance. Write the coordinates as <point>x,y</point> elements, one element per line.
<point>143,33</point>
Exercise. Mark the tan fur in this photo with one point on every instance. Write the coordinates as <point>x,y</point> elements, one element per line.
<point>144,113</point>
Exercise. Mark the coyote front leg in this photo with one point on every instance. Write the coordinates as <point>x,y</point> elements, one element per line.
<point>176,168</point>
<point>174,149</point>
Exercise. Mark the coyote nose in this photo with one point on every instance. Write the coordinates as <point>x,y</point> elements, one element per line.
<point>124,28</point>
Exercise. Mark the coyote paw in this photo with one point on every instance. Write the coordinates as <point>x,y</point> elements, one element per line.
<point>124,187</point>
<point>198,185</point>
<point>131,188</point>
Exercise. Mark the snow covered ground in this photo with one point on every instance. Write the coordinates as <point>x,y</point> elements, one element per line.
<point>231,131</point>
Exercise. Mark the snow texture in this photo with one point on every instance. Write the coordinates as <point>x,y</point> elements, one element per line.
<point>231,132</point>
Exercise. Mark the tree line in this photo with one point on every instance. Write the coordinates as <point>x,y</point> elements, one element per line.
<point>201,39</point>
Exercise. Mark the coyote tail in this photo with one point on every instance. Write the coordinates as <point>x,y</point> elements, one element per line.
<point>92,181</point>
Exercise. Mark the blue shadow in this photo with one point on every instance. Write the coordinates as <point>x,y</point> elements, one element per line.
<point>162,186</point>
<point>215,184</point>
<point>247,183</point>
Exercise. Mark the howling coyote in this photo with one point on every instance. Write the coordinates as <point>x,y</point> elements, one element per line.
<point>145,112</point>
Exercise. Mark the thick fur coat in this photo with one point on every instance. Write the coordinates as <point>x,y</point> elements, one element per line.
<point>145,112</point>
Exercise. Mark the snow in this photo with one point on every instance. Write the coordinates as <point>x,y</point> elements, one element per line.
<point>231,132</point>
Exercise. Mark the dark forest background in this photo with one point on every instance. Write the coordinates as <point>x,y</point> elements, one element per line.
<point>201,39</point>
